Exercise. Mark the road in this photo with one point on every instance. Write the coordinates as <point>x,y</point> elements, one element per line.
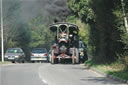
<point>47,74</point>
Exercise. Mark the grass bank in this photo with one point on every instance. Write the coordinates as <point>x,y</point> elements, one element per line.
<point>115,69</point>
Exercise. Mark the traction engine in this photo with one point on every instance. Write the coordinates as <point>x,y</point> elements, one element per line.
<point>66,43</point>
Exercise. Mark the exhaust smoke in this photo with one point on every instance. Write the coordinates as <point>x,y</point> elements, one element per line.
<point>28,9</point>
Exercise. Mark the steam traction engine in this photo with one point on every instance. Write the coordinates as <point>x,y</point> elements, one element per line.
<point>66,43</point>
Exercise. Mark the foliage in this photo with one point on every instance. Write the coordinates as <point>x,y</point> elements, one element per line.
<point>106,25</point>
<point>10,29</point>
<point>24,33</point>
<point>125,41</point>
<point>81,9</point>
<point>40,36</point>
<point>83,28</point>
<point>124,57</point>
<point>16,32</point>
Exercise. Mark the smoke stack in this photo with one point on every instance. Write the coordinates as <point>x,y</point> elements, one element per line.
<point>55,20</point>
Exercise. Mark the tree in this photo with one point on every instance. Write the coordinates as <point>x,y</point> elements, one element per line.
<point>124,15</point>
<point>105,26</point>
<point>40,34</point>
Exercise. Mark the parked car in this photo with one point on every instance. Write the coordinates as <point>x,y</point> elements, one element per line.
<point>15,55</point>
<point>39,54</point>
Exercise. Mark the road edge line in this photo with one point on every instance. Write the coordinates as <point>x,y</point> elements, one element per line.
<point>107,75</point>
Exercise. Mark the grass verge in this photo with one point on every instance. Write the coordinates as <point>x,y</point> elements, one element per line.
<point>115,69</point>
<point>5,62</point>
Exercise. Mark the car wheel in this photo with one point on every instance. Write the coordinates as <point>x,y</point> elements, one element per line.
<point>47,61</point>
<point>13,61</point>
<point>23,61</point>
<point>33,61</point>
<point>42,61</point>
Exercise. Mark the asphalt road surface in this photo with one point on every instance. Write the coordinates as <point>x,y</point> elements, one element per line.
<point>47,74</point>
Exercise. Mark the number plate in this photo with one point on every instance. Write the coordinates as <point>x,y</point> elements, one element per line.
<point>11,58</point>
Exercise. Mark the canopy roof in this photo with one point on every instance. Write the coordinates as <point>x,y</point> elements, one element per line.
<point>63,25</point>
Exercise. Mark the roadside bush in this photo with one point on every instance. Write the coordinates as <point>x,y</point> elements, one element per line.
<point>124,57</point>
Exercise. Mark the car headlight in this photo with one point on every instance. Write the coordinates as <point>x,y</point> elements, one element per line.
<point>5,56</point>
<point>16,56</point>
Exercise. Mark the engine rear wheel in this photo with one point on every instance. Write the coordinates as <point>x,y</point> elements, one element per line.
<point>77,56</point>
<point>73,57</point>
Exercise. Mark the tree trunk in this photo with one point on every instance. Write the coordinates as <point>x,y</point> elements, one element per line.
<point>124,16</point>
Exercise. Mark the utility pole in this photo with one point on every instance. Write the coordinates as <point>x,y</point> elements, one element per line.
<point>2,37</point>
<point>124,16</point>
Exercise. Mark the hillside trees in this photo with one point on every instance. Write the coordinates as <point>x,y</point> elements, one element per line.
<point>16,32</point>
<point>11,23</point>
<point>21,31</point>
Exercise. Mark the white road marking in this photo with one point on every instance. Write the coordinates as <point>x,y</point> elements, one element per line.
<point>44,81</point>
<point>98,74</point>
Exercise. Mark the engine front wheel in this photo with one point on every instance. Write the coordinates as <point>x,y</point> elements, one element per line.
<point>52,58</point>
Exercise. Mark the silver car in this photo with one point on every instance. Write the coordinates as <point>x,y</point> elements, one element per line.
<point>39,54</point>
<point>14,55</point>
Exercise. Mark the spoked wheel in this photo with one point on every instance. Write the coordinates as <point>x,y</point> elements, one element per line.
<point>52,58</point>
<point>73,60</point>
<point>77,56</point>
<point>73,57</point>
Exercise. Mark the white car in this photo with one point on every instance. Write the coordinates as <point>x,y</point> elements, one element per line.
<point>39,54</point>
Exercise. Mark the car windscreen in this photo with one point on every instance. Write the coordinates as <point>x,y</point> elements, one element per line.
<point>13,51</point>
<point>39,51</point>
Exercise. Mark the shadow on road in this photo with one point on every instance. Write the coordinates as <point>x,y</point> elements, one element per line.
<point>102,80</point>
